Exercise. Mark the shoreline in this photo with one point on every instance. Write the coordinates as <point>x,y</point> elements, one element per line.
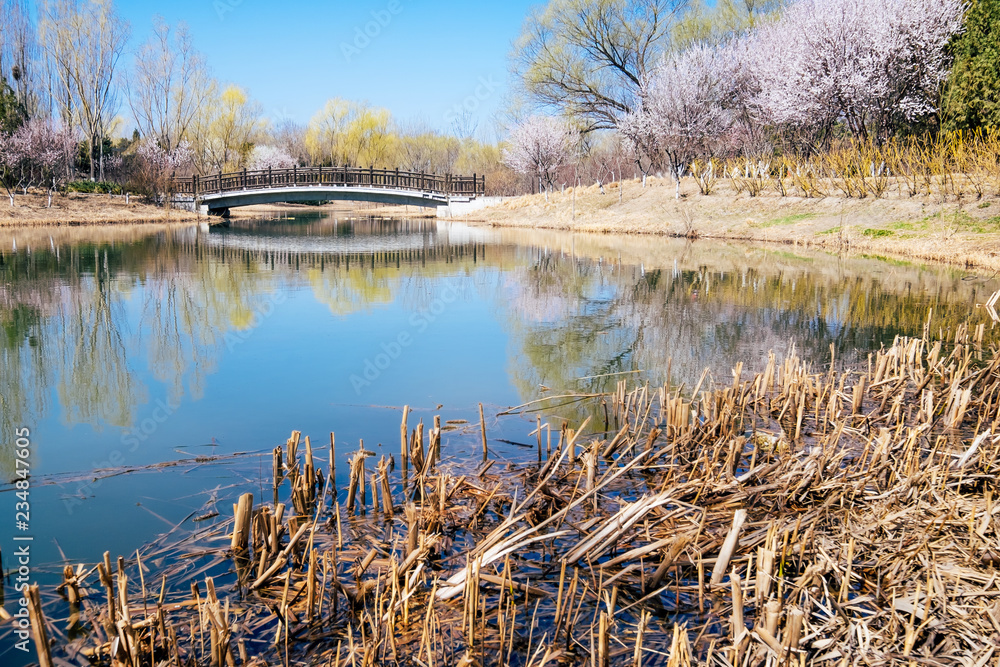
<point>964,233</point>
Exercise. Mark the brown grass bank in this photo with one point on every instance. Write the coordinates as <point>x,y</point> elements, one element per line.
<point>77,208</point>
<point>930,227</point>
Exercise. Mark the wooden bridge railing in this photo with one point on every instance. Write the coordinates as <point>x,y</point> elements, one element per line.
<point>446,184</point>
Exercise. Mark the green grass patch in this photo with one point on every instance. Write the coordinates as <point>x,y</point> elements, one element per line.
<point>94,187</point>
<point>786,220</point>
<point>888,260</point>
<point>832,230</point>
<point>985,204</point>
<point>877,233</point>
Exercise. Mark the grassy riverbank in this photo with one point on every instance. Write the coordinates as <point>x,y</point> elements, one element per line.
<point>965,232</point>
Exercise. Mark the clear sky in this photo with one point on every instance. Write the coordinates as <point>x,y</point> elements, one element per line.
<point>422,60</point>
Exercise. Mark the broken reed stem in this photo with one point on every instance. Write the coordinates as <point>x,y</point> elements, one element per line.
<point>482,425</point>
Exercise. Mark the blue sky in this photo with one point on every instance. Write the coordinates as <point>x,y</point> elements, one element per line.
<point>424,61</point>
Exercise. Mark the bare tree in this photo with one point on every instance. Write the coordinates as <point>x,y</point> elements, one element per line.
<point>20,61</point>
<point>85,40</point>
<point>588,58</point>
<point>169,83</point>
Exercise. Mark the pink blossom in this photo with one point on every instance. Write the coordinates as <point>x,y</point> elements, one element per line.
<point>684,111</point>
<point>539,145</point>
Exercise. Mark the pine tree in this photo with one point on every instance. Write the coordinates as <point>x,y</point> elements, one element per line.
<point>11,110</point>
<point>972,96</point>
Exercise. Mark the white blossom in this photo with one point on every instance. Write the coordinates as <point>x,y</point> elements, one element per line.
<point>867,63</point>
<point>269,157</point>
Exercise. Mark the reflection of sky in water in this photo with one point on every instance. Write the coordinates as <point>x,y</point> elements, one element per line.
<point>168,345</point>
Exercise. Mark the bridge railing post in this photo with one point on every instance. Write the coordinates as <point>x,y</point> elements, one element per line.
<point>295,174</point>
<point>194,185</point>
<point>220,181</point>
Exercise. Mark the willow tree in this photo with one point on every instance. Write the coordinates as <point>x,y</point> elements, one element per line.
<point>588,58</point>
<point>85,40</point>
<point>225,129</point>
<point>346,132</point>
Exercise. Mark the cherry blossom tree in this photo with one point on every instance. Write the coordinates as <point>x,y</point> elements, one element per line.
<point>540,145</point>
<point>269,157</point>
<point>869,63</point>
<point>158,164</point>
<point>684,112</point>
<point>35,153</point>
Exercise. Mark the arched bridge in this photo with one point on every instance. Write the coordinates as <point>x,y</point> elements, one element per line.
<point>217,193</point>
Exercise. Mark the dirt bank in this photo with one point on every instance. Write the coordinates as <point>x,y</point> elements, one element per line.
<point>77,208</point>
<point>965,232</point>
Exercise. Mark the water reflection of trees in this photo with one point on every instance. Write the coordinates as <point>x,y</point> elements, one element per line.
<point>85,322</point>
<point>571,318</point>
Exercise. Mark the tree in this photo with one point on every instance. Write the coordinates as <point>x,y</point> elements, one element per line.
<point>20,61</point>
<point>85,40</point>
<point>874,65</point>
<point>539,146</point>
<point>424,150</point>
<point>290,137</point>
<point>345,132</point>
<point>169,83</point>
<point>326,136</point>
<point>683,114</point>
<point>225,130</point>
<point>157,164</point>
<point>972,96</point>
<point>37,152</point>
<point>723,21</point>
<point>588,58</point>
<point>12,112</point>
<point>269,157</point>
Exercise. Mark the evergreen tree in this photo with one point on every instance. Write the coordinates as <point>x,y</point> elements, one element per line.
<point>12,113</point>
<point>972,96</point>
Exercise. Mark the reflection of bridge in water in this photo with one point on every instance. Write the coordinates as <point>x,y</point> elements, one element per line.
<point>358,238</point>
<point>357,256</point>
<point>217,193</point>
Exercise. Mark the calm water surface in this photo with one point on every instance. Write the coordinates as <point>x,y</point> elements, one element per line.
<point>130,348</point>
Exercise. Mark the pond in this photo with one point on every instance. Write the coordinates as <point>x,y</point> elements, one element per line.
<point>157,367</point>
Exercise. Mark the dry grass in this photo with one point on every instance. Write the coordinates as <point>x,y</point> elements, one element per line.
<point>963,232</point>
<point>798,516</point>
<point>83,209</point>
